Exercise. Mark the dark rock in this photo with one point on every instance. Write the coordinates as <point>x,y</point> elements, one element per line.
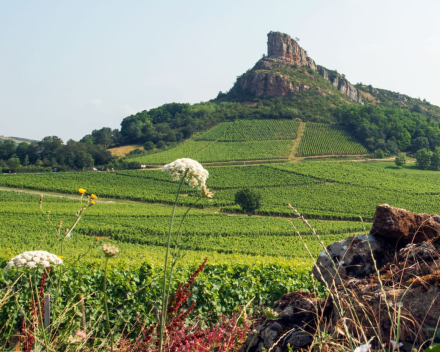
<point>351,258</point>
<point>299,339</point>
<point>400,226</point>
<point>297,310</point>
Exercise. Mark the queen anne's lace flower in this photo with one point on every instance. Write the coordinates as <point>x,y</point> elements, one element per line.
<point>32,259</point>
<point>196,175</point>
<point>363,348</point>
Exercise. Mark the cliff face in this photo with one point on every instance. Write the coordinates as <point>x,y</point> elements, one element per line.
<point>269,84</point>
<point>281,48</point>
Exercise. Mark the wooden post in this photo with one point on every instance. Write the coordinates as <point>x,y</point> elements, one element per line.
<point>83,314</point>
<point>46,311</point>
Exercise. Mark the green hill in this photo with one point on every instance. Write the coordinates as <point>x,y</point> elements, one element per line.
<point>286,84</point>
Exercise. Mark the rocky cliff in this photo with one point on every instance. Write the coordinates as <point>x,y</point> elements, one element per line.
<point>282,47</point>
<point>284,53</point>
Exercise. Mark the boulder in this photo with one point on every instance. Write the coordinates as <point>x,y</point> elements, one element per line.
<point>400,227</point>
<point>351,258</point>
<point>298,312</point>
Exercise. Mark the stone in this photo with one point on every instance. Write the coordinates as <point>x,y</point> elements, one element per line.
<point>265,84</point>
<point>323,72</point>
<point>297,313</point>
<point>262,81</point>
<point>351,258</point>
<point>400,227</point>
<point>282,47</point>
<point>299,339</point>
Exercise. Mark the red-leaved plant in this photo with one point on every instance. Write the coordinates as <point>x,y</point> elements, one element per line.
<point>27,333</point>
<point>192,336</point>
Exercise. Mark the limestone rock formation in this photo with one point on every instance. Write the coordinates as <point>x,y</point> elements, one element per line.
<point>266,84</point>
<point>282,47</point>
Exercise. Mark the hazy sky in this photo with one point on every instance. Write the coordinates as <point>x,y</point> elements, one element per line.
<point>68,67</point>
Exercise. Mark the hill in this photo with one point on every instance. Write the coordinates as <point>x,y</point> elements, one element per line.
<point>288,84</point>
<point>17,140</point>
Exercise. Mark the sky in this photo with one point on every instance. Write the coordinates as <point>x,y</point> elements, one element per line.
<point>69,67</point>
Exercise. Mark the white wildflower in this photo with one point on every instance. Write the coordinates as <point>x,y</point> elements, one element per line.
<point>395,344</point>
<point>363,348</point>
<point>33,258</point>
<point>399,304</point>
<point>195,174</point>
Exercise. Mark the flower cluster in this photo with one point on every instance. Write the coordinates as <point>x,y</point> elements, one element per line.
<point>109,250</point>
<point>194,173</point>
<point>32,259</point>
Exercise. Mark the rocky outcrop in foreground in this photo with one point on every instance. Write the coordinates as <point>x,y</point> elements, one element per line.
<point>377,282</point>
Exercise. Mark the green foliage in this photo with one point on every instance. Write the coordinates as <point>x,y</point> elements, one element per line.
<point>249,200</point>
<point>322,139</point>
<point>259,130</point>
<point>423,157</point>
<point>148,146</point>
<point>382,128</point>
<point>400,160</point>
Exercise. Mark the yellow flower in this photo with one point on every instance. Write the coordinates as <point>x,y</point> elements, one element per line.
<point>93,196</point>
<point>82,191</point>
<point>92,202</point>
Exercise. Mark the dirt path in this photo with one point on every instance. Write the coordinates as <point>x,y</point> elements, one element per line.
<point>51,194</point>
<point>297,140</point>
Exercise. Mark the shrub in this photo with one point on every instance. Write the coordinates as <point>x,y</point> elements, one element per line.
<point>249,200</point>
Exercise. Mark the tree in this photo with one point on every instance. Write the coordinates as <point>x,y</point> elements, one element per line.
<point>423,157</point>
<point>13,163</point>
<point>149,146</point>
<point>400,160</point>
<point>435,159</point>
<point>249,200</point>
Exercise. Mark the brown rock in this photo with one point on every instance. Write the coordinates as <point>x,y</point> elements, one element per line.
<point>265,84</point>
<point>282,47</point>
<point>399,226</point>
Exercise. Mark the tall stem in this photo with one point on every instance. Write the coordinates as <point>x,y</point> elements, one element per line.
<point>163,316</point>
<point>176,244</point>
<point>40,312</point>
<point>104,289</point>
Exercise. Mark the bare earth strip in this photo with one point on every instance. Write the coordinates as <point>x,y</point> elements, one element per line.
<point>50,194</point>
<point>297,140</point>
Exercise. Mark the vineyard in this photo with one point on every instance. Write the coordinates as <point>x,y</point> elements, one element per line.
<point>257,256</point>
<point>241,140</point>
<point>319,190</point>
<point>244,140</point>
<point>323,139</point>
